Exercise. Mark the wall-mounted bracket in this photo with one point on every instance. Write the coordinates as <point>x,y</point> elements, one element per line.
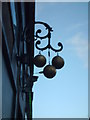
<point>24,59</point>
<point>29,83</point>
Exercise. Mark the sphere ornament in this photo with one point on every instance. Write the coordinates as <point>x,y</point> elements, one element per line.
<point>58,62</point>
<point>39,60</point>
<point>49,71</point>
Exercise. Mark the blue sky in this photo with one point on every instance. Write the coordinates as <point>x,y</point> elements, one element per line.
<point>66,95</point>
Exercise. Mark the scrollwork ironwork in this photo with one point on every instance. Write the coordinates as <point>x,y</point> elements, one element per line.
<point>38,38</point>
<point>39,30</point>
<point>46,36</point>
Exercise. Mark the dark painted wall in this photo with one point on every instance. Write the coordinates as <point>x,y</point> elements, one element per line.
<point>9,65</point>
<point>8,95</point>
<point>13,100</point>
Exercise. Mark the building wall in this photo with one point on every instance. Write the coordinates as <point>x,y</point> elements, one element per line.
<point>8,95</point>
<point>0,60</point>
<point>9,65</point>
<point>13,99</point>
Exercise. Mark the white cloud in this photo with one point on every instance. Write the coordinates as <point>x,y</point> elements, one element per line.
<point>80,46</point>
<point>75,27</point>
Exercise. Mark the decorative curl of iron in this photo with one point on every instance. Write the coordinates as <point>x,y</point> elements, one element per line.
<point>39,60</point>
<point>26,36</point>
<point>48,35</point>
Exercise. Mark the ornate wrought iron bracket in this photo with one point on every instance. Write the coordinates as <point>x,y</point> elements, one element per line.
<point>39,60</point>
<point>38,38</point>
<point>48,35</point>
